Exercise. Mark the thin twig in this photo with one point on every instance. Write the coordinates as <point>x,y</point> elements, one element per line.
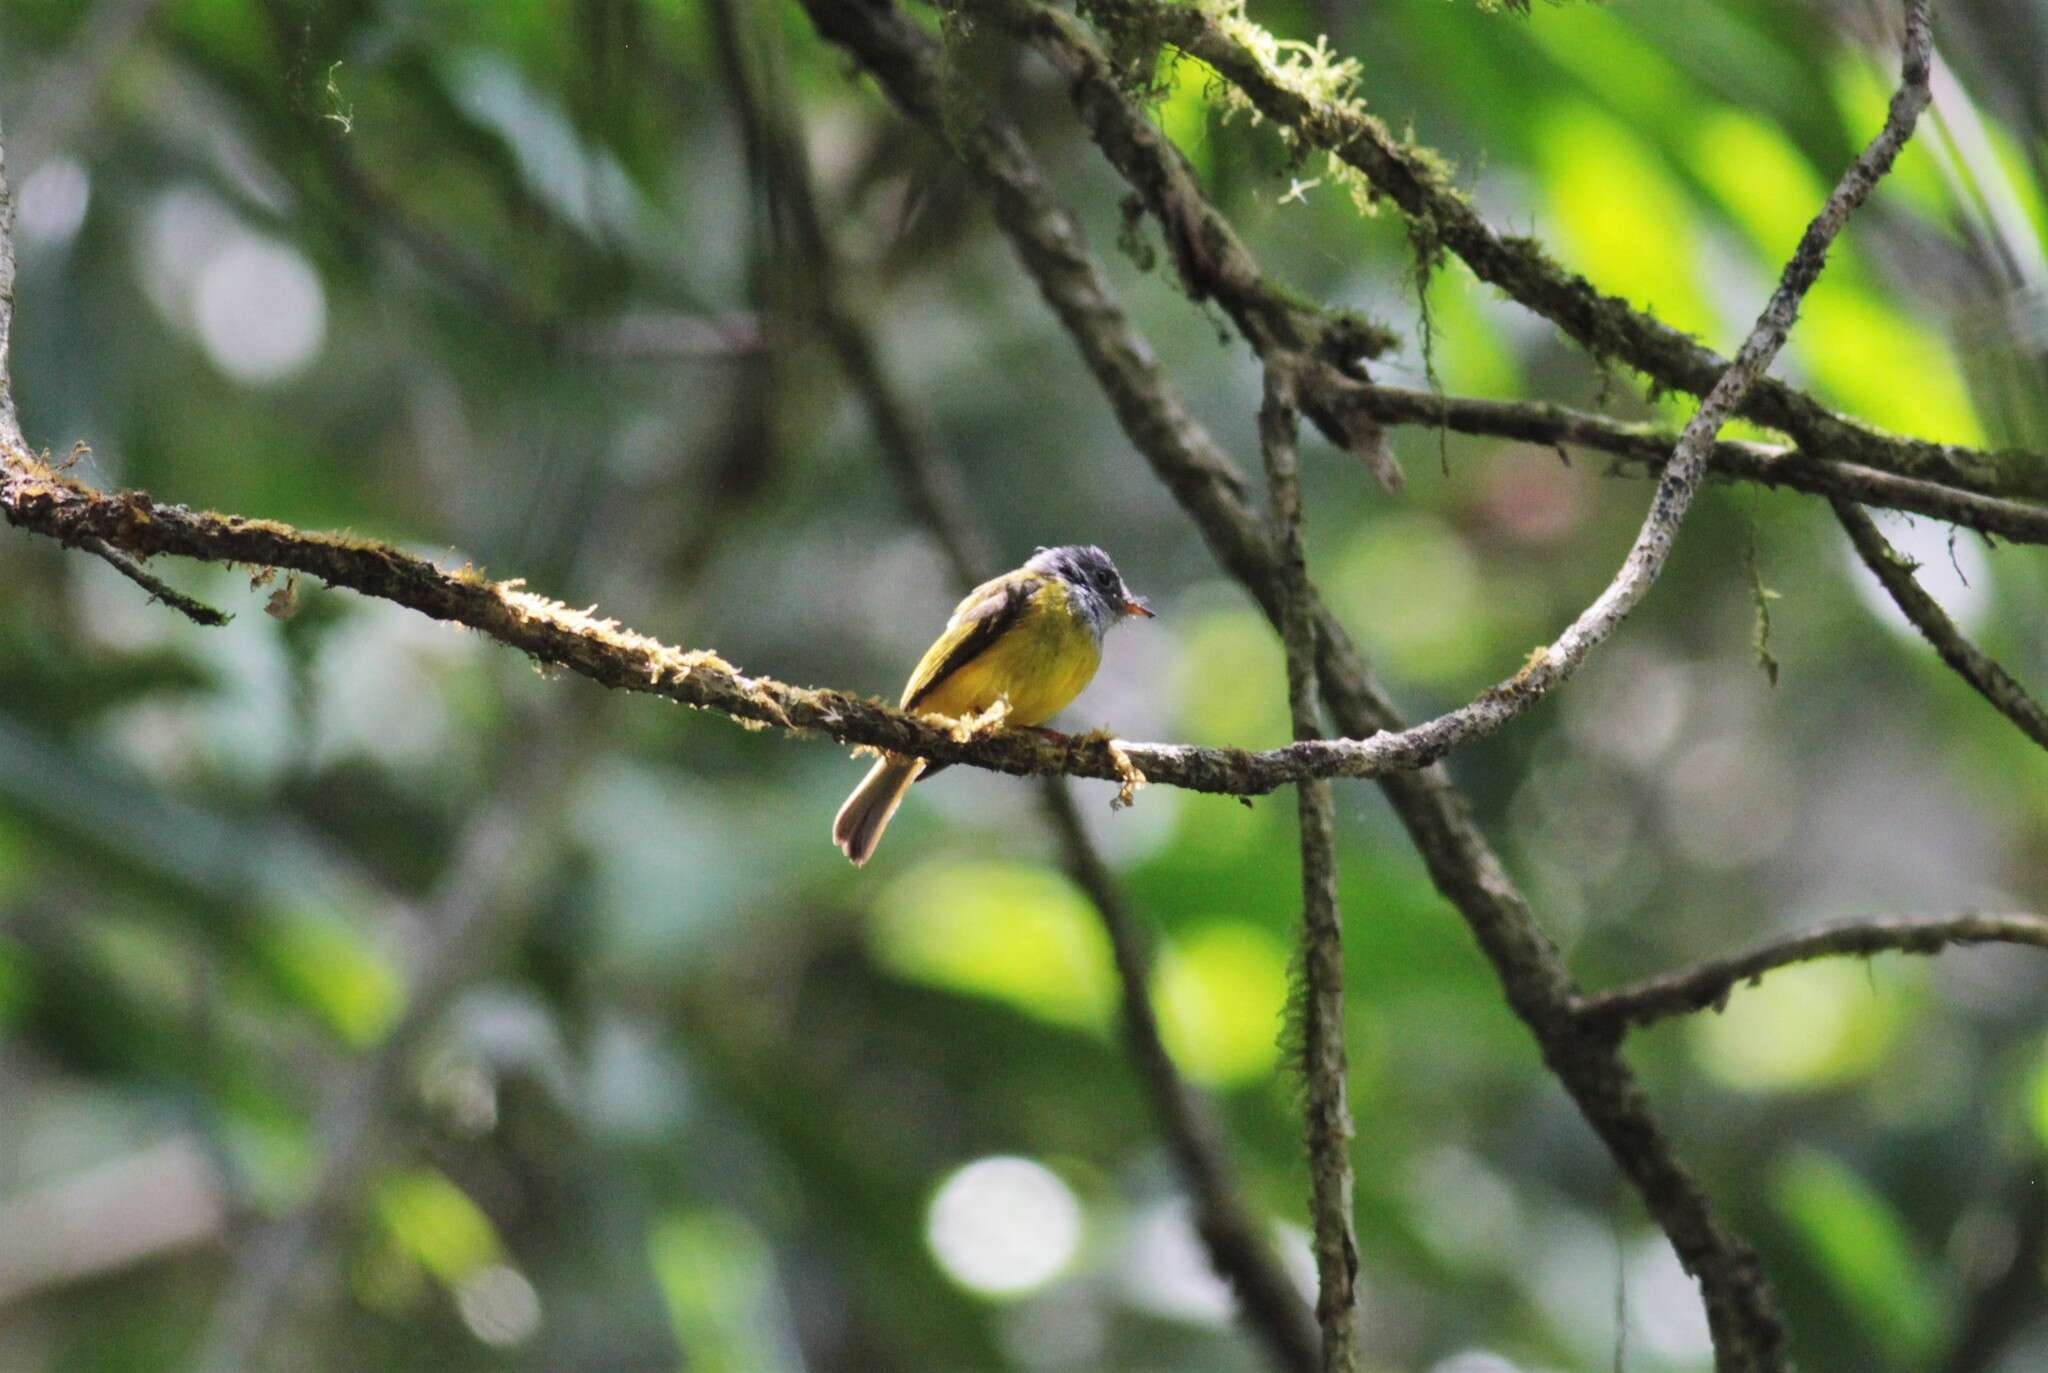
<point>191,608</point>
<point>1648,447</point>
<point>907,443</point>
<point>1416,181</point>
<point>1894,571</point>
<point>11,441</point>
<point>1324,1063</point>
<point>1708,984</point>
<point>35,497</point>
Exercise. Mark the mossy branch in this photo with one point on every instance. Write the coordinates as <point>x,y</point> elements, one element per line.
<point>42,500</point>
<point>1418,183</point>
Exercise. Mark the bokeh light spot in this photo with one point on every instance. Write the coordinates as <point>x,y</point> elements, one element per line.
<point>499,1305</point>
<point>260,310</point>
<point>1003,1226</point>
<point>1415,592</point>
<point>1803,1027</point>
<point>1017,934</point>
<point>51,204</point>
<point>1221,994</point>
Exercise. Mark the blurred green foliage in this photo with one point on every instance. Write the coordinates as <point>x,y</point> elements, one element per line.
<point>491,280</point>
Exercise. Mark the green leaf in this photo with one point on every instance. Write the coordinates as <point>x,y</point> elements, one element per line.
<point>1003,930</point>
<point>328,966</point>
<point>436,1223</point>
<point>1221,994</point>
<point>717,1277</point>
<point>1859,1243</point>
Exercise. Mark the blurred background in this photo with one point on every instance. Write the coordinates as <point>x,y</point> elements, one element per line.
<point>370,1000</point>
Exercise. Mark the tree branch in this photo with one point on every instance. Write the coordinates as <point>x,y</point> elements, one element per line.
<point>1708,984</point>
<point>1649,447</point>
<point>1417,182</point>
<point>1321,1007</point>
<point>37,498</point>
<point>11,440</point>
<point>1894,571</point>
<point>1049,242</point>
<point>197,611</point>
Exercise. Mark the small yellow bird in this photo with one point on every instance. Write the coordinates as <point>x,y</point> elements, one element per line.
<point>1032,637</point>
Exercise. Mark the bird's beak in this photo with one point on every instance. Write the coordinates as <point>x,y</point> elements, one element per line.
<point>1139,606</point>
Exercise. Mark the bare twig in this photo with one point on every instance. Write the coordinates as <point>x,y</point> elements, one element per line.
<point>1708,984</point>
<point>930,484</point>
<point>33,496</point>
<point>1894,571</point>
<point>1049,242</point>
<point>668,334</point>
<point>1324,1063</point>
<point>11,440</point>
<point>1648,447</point>
<point>1416,181</point>
<point>192,609</point>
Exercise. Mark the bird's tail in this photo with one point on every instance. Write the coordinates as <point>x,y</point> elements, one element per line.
<point>858,826</point>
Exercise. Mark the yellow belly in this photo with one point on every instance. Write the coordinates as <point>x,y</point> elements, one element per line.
<point>1040,664</point>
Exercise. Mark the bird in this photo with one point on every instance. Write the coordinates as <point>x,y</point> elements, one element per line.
<point>1031,637</point>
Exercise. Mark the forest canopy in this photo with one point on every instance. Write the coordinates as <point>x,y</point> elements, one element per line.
<point>1558,885</point>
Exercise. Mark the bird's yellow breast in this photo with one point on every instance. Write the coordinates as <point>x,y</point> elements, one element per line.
<point>1040,663</point>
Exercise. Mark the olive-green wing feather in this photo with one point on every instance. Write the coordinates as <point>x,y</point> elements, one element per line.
<point>984,616</point>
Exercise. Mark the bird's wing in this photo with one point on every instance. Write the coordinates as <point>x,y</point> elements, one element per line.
<point>988,613</point>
